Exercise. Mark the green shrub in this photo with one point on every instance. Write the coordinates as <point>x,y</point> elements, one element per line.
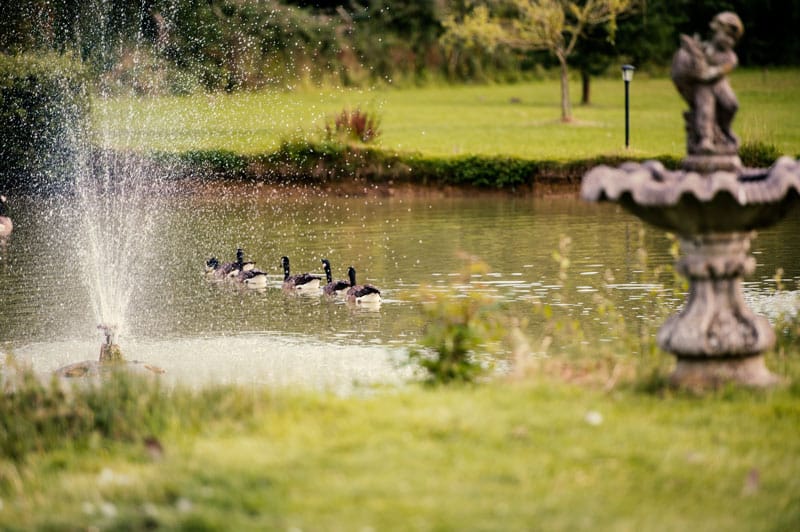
<point>215,162</point>
<point>44,110</point>
<point>461,332</point>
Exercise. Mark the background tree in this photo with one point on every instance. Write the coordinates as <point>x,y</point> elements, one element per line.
<point>552,25</point>
<point>593,56</point>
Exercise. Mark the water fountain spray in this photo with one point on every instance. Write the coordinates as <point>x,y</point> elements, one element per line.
<point>111,188</point>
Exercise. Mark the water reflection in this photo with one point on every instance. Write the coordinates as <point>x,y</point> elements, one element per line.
<point>399,244</point>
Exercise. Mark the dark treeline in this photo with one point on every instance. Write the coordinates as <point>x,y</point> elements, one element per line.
<point>186,45</point>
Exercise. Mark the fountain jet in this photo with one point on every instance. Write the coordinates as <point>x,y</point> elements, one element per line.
<point>110,352</point>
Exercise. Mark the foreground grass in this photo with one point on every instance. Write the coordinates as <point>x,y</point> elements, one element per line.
<point>509,120</point>
<point>502,456</point>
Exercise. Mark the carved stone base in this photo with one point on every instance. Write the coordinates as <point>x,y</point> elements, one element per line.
<point>715,322</point>
<point>707,374</point>
<point>716,338</point>
<point>705,164</point>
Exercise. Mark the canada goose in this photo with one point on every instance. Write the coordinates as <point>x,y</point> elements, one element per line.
<point>5,222</point>
<point>245,272</point>
<point>361,293</point>
<point>252,278</point>
<point>241,264</point>
<point>302,282</point>
<point>229,270</point>
<point>220,271</point>
<point>333,288</point>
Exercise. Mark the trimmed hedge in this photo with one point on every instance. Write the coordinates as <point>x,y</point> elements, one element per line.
<point>306,163</point>
<point>44,110</point>
<point>314,163</point>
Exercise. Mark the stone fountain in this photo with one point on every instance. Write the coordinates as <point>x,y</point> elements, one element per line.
<point>714,205</point>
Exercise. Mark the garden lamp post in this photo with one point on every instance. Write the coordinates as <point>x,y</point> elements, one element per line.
<point>627,77</point>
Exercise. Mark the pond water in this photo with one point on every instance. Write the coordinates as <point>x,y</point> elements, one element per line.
<point>201,331</point>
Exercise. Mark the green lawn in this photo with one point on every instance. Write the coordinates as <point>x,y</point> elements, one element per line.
<point>519,120</point>
<point>502,456</point>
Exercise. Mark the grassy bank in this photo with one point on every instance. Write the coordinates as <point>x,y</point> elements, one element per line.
<point>493,135</point>
<point>502,456</point>
<point>493,120</point>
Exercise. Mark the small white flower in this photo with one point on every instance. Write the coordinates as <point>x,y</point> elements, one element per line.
<point>150,509</point>
<point>108,477</point>
<point>183,505</point>
<point>105,477</point>
<point>593,418</point>
<point>108,509</point>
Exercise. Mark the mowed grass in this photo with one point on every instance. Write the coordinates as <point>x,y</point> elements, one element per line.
<point>519,120</point>
<point>502,456</point>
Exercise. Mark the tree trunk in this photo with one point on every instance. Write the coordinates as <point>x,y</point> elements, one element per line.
<point>586,94</point>
<point>566,110</point>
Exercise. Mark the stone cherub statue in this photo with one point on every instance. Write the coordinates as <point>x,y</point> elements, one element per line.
<point>699,71</point>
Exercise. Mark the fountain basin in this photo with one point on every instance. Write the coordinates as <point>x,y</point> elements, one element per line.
<point>690,203</point>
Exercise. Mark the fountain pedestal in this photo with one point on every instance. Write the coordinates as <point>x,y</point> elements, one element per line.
<point>716,337</point>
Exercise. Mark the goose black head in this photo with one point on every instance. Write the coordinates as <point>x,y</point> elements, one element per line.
<point>327,266</point>
<point>351,274</point>
<point>212,263</point>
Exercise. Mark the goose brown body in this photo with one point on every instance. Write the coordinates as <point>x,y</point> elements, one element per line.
<point>333,288</point>
<point>361,293</point>
<point>301,282</point>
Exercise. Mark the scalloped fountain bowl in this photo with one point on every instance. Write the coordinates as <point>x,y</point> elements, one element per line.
<point>689,203</point>
<point>716,338</point>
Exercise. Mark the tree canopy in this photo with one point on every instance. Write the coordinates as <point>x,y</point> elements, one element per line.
<point>552,25</point>
<point>188,45</point>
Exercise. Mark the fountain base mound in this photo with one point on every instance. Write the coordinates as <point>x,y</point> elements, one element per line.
<point>95,369</point>
<point>110,361</point>
<point>699,375</point>
<point>706,164</point>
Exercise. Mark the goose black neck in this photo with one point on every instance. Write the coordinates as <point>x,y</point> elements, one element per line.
<point>327,266</point>
<point>351,274</point>
<point>285,262</point>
